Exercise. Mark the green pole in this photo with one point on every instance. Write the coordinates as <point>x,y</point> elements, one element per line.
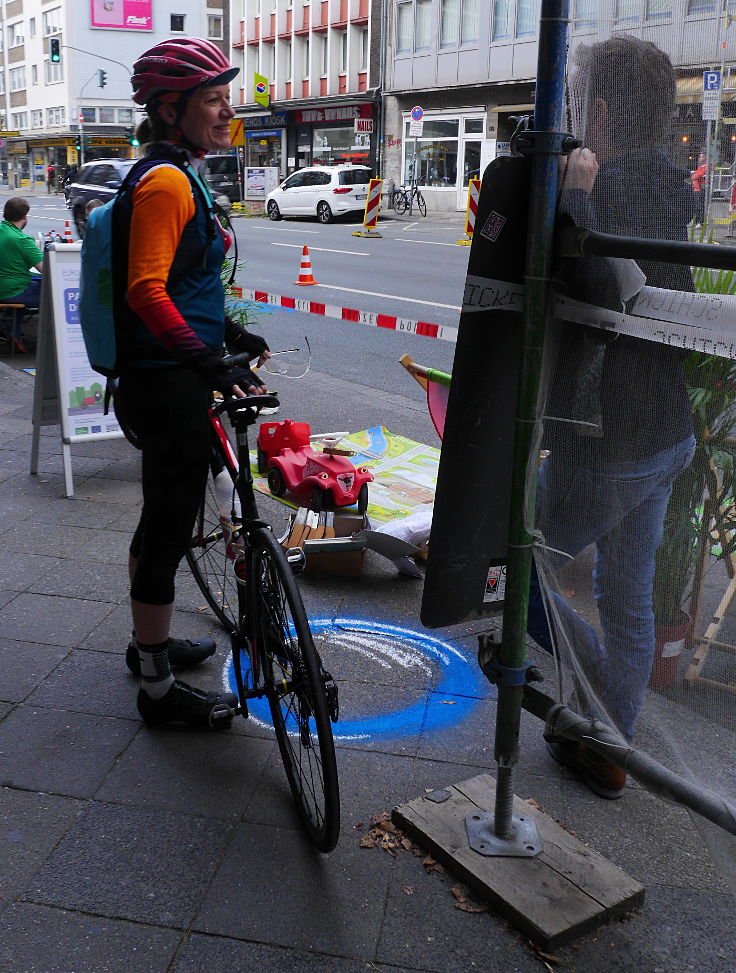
<point>545,153</point>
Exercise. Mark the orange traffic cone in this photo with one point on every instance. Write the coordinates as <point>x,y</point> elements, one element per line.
<point>68,238</point>
<point>305,269</point>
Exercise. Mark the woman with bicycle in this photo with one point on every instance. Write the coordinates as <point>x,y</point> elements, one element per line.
<point>171,356</point>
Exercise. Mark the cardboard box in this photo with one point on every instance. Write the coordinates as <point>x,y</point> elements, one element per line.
<point>327,542</point>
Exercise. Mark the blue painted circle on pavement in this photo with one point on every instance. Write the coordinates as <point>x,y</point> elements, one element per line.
<point>457,685</point>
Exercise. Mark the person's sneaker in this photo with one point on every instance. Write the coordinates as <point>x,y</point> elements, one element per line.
<point>185,704</point>
<point>603,777</point>
<point>183,654</point>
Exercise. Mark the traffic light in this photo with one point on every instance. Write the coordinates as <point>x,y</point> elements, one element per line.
<point>55,49</point>
<point>102,78</point>
<point>130,132</point>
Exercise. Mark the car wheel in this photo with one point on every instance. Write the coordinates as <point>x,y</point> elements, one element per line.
<point>363,498</point>
<point>262,461</point>
<point>80,221</point>
<point>324,213</point>
<point>276,482</point>
<point>274,213</point>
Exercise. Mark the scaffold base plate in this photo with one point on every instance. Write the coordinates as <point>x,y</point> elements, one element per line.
<point>565,891</point>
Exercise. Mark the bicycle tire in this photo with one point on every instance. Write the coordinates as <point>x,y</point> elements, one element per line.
<point>421,203</point>
<point>208,560</point>
<point>297,694</point>
<point>401,203</point>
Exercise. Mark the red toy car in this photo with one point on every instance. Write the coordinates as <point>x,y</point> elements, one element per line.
<point>327,478</point>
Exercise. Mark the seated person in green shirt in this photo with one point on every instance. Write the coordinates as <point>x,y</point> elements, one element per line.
<point>18,254</point>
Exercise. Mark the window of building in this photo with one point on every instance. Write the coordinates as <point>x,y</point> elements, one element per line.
<point>323,55</point>
<point>287,66</point>
<point>364,49</point>
<point>52,21</point>
<point>447,155</point>
<point>177,22</point>
<point>585,14</point>
<point>527,18</point>
<point>89,115</point>
<point>449,22</point>
<point>125,116</point>
<point>55,116</point>
<point>15,34</point>
<point>34,74</point>
<point>2,82</point>
<point>701,6</point>
<point>656,9</point>
<point>37,118</point>
<point>627,10</point>
<point>469,21</point>
<point>106,116</point>
<point>343,62</point>
<point>32,27</point>
<point>331,146</point>
<point>53,71</point>
<point>503,12</point>
<point>17,78</point>
<point>19,119</point>
<point>214,27</point>
<point>403,27</point>
<point>422,25</point>
<point>306,52</point>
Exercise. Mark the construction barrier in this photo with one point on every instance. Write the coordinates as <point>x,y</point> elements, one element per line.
<point>470,212</point>
<point>372,206</point>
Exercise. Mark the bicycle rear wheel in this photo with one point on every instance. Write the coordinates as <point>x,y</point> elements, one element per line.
<point>210,558</point>
<point>300,693</point>
<point>421,203</point>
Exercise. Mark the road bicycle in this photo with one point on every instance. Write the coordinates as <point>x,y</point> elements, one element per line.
<point>248,580</point>
<point>405,197</point>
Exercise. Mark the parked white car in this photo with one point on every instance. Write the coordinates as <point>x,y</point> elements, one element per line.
<point>321,191</point>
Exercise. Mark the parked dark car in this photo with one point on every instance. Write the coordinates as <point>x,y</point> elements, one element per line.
<point>100,179</point>
<point>221,173</point>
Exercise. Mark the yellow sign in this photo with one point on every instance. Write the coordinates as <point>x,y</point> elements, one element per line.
<point>9,135</point>
<point>237,131</point>
<point>260,90</point>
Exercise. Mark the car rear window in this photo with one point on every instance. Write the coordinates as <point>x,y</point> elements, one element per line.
<point>222,165</point>
<point>354,177</point>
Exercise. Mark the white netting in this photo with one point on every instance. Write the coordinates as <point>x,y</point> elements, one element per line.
<point>625,485</point>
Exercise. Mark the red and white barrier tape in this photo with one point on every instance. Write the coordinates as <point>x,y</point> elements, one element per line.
<point>372,318</point>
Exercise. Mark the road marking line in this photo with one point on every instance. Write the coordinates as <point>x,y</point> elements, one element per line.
<point>296,246</point>
<point>434,243</point>
<point>283,229</point>
<point>393,297</point>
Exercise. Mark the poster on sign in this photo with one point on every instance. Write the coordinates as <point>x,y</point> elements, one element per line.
<point>122,14</point>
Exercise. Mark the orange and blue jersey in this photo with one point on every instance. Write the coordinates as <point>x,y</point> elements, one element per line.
<point>175,256</point>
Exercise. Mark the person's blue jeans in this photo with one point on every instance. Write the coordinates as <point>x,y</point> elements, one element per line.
<point>619,506</point>
<point>31,297</point>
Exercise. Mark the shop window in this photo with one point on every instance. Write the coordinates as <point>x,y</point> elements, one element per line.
<point>264,149</point>
<point>438,128</point>
<point>331,146</point>
<point>106,116</point>
<point>474,126</point>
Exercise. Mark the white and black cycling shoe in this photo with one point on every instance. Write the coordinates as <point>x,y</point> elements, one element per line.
<point>186,704</point>
<point>183,653</point>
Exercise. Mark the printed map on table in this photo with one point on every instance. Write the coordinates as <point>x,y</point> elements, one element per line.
<point>405,472</point>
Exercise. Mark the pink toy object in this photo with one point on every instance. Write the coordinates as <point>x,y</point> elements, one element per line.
<point>328,478</point>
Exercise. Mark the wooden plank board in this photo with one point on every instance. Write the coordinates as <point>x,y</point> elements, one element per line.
<point>565,891</point>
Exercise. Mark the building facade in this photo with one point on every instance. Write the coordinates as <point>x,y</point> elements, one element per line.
<point>318,62</point>
<point>470,65</point>
<point>59,112</point>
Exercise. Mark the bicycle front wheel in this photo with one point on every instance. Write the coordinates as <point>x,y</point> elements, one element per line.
<point>300,693</point>
<point>421,204</point>
<point>210,559</point>
<point>400,202</point>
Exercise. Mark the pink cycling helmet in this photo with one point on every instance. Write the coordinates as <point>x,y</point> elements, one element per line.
<point>179,64</point>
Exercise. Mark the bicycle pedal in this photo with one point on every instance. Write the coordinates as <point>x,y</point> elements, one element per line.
<point>221,717</point>
<point>297,559</point>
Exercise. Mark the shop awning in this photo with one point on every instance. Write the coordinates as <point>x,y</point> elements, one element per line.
<point>690,88</point>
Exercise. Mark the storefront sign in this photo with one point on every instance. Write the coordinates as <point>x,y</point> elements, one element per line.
<point>260,90</point>
<point>276,119</point>
<point>340,113</point>
<point>263,133</point>
<point>364,125</point>
<point>18,148</point>
<point>122,14</point>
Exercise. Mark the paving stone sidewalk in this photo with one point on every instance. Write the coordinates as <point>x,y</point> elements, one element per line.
<point>126,850</point>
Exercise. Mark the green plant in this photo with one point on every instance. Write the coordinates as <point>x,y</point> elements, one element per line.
<point>702,502</point>
<point>241,311</point>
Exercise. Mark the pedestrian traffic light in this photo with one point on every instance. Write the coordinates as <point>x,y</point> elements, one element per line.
<point>130,132</point>
<point>55,49</point>
<point>102,78</point>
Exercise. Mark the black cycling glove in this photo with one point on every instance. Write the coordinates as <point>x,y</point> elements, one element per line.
<point>240,341</point>
<point>219,375</point>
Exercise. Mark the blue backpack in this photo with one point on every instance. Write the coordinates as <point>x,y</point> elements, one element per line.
<point>103,310</point>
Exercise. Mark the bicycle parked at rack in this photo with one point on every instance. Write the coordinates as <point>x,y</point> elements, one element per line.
<point>405,197</point>
<point>248,581</point>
